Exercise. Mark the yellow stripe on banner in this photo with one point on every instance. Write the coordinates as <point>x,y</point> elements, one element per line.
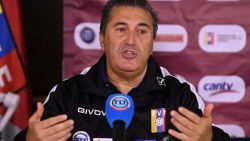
<point>1,10</point>
<point>206,38</point>
<point>153,120</point>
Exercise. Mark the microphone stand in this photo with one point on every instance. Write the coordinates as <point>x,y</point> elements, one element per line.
<point>119,131</point>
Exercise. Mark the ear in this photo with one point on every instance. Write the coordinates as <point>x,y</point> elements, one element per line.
<point>101,38</point>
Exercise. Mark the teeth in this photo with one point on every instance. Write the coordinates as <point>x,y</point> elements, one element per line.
<point>128,52</point>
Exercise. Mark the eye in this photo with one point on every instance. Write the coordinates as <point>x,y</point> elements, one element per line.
<point>141,31</point>
<point>120,29</point>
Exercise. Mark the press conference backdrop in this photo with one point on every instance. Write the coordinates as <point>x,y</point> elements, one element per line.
<point>205,41</point>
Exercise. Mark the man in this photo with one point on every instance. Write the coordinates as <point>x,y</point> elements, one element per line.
<point>74,109</point>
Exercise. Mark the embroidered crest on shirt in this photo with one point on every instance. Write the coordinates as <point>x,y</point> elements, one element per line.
<point>158,120</point>
<point>161,81</point>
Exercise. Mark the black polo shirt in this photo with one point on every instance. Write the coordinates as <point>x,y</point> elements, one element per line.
<point>82,98</point>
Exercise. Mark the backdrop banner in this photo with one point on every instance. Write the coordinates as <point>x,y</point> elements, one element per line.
<point>14,89</point>
<point>205,41</point>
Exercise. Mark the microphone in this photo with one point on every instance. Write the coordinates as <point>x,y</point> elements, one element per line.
<point>119,113</point>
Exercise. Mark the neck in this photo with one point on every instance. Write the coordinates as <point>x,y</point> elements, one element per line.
<point>125,83</point>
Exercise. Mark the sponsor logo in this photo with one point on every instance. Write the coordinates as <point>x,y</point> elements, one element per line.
<point>234,131</point>
<point>161,81</point>
<point>222,88</point>
<point>91,111</point>
<point>209,38</point>
<point>222,38</point>
<point>119,103</point>
<point>86,36</point>
<point>102,139</point>
<point>170,38</point>
<point>81,136</point>
<point>158,120</point>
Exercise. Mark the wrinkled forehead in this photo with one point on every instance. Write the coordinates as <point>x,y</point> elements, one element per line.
<point>130,13</point>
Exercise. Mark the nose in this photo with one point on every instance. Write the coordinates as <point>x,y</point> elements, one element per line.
<point>130,39</point>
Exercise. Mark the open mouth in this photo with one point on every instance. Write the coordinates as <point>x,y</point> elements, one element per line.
<point>128,53</point>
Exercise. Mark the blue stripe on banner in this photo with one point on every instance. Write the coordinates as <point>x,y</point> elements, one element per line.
<point>6,42</point>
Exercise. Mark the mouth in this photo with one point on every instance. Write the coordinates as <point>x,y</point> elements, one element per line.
<point>128,53</point>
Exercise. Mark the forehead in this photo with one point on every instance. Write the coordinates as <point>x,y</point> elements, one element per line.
<point>130,14</point>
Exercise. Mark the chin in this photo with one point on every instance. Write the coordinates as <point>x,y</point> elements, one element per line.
<point>128,68</point>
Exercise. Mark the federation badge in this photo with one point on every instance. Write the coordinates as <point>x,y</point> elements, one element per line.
<point>81,136</point>
<point>158,120</point>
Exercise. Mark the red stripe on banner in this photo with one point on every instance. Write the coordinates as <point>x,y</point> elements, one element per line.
<point>12,73</point>
<point>24,110</point>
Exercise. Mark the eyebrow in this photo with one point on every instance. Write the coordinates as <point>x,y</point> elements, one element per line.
<point>120,23</point>
<point>140,24</point>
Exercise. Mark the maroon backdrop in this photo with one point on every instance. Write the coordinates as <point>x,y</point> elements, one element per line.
<point>205,41</point>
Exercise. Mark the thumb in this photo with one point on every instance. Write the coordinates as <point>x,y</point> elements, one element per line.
<point>208,110</point>
<point>38,114</point>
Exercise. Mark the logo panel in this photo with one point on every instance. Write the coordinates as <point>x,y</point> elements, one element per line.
<point>170,38</point>
<point>227,89</point>
<point>222,38</point>
<point>234,131</point>
<point>86,36</point>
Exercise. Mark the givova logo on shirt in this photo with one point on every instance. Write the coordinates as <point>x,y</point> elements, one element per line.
<point>222,88</point>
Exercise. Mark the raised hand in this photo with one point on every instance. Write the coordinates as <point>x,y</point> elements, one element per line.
<point>192,127</point>
<point>52,129</point>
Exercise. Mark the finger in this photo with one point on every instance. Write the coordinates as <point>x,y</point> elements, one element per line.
<point>53,120</point>
<point>62,134</point>
<point>177,135</point>
<point>38,114</point>
<point>59,127</point>
<point>190,115</point>
<point>208,110</point>
<point>183,120</point>
<point>181,127</point>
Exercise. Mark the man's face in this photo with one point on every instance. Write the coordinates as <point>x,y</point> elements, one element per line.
<point>128,39</point>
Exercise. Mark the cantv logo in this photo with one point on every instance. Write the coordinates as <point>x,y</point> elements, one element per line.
<point>228,89</point>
